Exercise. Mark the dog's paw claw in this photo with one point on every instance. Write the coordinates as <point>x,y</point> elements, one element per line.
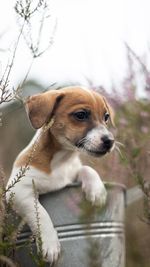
<point>51,248</point>
<point>97,195</point>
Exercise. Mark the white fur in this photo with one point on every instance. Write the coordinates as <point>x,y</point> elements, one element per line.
<point>92,185</point>
<point>65,168</point>
<point>94,137</point>
<point>63,172</point>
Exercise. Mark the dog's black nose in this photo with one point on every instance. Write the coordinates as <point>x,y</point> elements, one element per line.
<point>107,141</point>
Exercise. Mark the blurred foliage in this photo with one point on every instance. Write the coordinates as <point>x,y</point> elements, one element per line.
<point>133,120</point>
<point>130,167</point>
<point>133,131</point>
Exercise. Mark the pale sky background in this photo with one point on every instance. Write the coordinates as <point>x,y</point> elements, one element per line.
<point>88,42</point>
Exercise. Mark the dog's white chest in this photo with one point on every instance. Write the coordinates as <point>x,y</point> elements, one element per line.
<point>64,169</point>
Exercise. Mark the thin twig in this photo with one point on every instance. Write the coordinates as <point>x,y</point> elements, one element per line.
<point>14,55</point>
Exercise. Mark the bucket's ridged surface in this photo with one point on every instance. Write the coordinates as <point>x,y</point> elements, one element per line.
<point>84,231</point>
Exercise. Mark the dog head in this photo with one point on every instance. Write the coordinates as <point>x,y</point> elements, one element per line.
<point>80,118</point>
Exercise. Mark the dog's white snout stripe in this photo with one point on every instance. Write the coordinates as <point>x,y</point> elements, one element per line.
<point>96,136</point>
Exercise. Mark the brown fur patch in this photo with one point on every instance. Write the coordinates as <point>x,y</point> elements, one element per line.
<point>41,107</point>
<point>42,156</point>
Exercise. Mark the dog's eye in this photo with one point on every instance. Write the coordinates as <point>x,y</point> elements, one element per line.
<point>82,115</point>
<point>106,117</point>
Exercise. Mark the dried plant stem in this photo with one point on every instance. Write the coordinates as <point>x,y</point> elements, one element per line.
<point>40,29</point>
<point>40,260</point>
<point>7,96</point>
<point>146,191</point>
<point>20,87</point>
<point>17,179</point>
<point>23,169</point>
<point>17,231</point>
<point>2,177</point>
<point>7,261</point>
<point>14,55</point>
<point>137,58</point>
<point>25,11</point>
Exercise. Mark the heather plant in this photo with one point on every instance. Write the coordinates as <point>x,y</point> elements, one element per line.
<point>131,166</point>
<point>10,224</point>
<point>133,123</point>
<point>28,13</point>
<point>136,151</point>
<point>37,258</point>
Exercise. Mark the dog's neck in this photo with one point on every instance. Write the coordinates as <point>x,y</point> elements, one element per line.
<point>42,150</point>
<point>47,147</point>
<point>47,143</point>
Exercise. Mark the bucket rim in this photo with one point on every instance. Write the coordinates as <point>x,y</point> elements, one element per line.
<point>108,185</point>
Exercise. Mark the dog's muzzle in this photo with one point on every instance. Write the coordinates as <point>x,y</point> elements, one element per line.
<point>107,142</point>
<point>97,149</point>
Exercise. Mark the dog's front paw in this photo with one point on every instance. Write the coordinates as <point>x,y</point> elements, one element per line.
<point>92,186</point>
<point>95,192</point>
<point>50,247</point>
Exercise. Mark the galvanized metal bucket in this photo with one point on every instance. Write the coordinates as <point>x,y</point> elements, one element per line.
<point>89,236</point>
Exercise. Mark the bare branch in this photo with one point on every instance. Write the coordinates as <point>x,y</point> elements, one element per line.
<point>6,95</point>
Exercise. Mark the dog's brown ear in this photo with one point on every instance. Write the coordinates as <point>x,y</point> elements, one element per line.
<point>111,111</point>
<point>41,107</point>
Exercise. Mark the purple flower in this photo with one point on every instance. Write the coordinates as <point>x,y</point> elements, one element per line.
<point>144,129</point>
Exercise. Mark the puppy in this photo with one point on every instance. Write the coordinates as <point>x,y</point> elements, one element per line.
<point>78,120</point>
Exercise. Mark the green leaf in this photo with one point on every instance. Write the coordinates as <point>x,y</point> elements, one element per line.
<point>135,152</point>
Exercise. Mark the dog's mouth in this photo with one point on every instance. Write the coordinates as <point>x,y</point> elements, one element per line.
<point>93,152</point>
<point>96,153</point>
